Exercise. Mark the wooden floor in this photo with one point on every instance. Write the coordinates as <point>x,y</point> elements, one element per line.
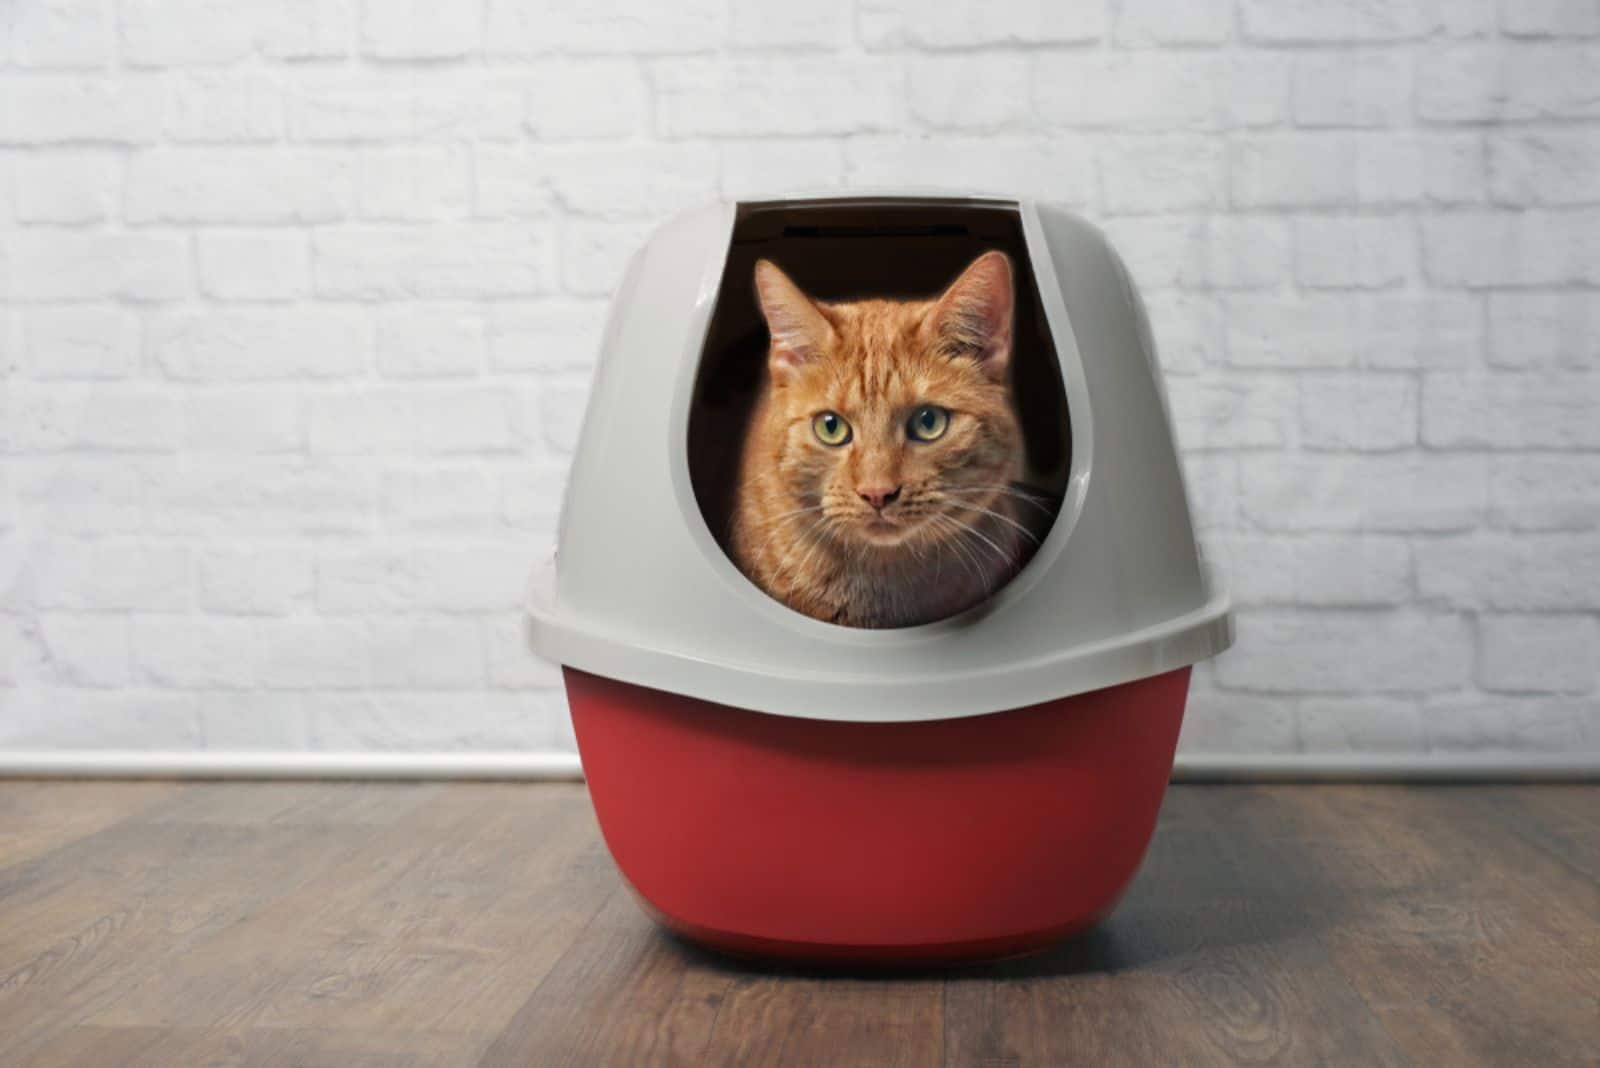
<point>394,924</point>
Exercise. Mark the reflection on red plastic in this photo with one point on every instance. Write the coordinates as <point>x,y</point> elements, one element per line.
<point>958,839</point>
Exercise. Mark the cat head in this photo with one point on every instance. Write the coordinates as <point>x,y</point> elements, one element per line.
<point>891,421</point>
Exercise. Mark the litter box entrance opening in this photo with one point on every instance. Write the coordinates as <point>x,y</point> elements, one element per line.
<point>847,250</point>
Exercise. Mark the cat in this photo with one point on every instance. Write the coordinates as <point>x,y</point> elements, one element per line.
<point>877,475</point>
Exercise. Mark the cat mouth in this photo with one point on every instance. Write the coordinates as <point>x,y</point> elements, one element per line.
<point>882,530</point>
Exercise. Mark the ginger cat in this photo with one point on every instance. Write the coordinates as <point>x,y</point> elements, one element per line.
<point>877,475</point>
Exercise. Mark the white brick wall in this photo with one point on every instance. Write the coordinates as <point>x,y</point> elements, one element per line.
<point>298,298</point>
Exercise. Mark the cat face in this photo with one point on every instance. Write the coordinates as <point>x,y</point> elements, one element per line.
<point>893,419</point>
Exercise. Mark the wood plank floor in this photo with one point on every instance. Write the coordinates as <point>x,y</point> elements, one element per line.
<point>357,925</point>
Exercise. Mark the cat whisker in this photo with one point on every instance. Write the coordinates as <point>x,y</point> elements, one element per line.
<point>1024,531</point>
<point>778,528</point>
<point>984,538</point>
<point>1036,500</point>
<point>806,542</point>
<point>963,554</point>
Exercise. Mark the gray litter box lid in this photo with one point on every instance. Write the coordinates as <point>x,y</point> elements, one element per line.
<point>639,590</point>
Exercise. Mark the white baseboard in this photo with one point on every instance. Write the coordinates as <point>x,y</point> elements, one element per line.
<point>1388,767</point>
<point>138,764</point>
<point>1298,767</point>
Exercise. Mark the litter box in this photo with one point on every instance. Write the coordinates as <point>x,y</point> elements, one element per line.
<point>773,785</point>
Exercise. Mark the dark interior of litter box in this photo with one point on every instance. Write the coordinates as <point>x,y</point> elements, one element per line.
<point>849,250</point>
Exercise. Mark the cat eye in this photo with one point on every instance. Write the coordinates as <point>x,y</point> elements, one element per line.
<point>928,423</point>
<point>830,428</point>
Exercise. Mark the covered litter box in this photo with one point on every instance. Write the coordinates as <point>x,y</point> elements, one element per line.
<point>773,784</point>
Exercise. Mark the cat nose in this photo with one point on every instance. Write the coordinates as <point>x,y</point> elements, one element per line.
<point>879,496</point>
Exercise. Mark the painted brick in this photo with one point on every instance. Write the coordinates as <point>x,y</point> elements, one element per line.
<point>60,34</point>
<point>594,252</point>
<point>539,27</point>
<point>260,265</point>
<point>1337,252</point>
<point>80,342</point>
<point>1553,410</point>
<point>1530,491</point>
<point>309,29</point>
<point>1157,91</point>
<point>1513,249</point>
<point>1348,653</point>
<point>1293,170</point>
<point>461,260</point>
<point>1328,330</point>
<point>1060,170</point>
<point>1501,724</point>
<point>968,92</point>
<point>407,29</point>
<point>968,23</point>
<point>1554,572</point>
<point>254,581</point>
<point>1160,22</point>
<point>98,575</point>
<point>1487,83</point>
<point>1547,167</point>
<point>1406,168</point>
<point>428,654</point>
<point>467,419</point>
<point>1358,412</point>
<point>67,187</point>
<point>1361,725</point>
<point>1337,571</point>
<point>1302,21</point>
<point>605,180</point>
<point>545,335</point>
<point>1223,723</point>
<point>183,33</point>
<point>78,265</point>
<point>470,578</point>
<point>251,345</point>
<point>1162,174</point>
<point>246,185</point>
<point>1538,654</point>
<point>431,341</point>
<point>1215,252</point>
<point>247,420</point>
<point>823,24</point>
<point>88,651</point>
<point>440,499</point>
<point>1423,492</point>
<point>507,183</point>
<point>588,99</point>
<point>742,97</point>
<point>1352,89</point>
<point>314,655</point>
<point>87,495</point>
<point>208,107</point>
<point>413,182</point>
<point>1535,330</point>
<point>403,105</point>
<point>59,109</point>
<point>258,497</point>
<point>1188,330</point>
<point>1243,412</point>
<point>1549,18</point>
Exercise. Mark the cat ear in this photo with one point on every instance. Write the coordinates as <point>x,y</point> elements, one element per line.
<point>973,317</point>
<point>799,330</point>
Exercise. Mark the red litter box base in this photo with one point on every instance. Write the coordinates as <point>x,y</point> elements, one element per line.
<point>958,839</point>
